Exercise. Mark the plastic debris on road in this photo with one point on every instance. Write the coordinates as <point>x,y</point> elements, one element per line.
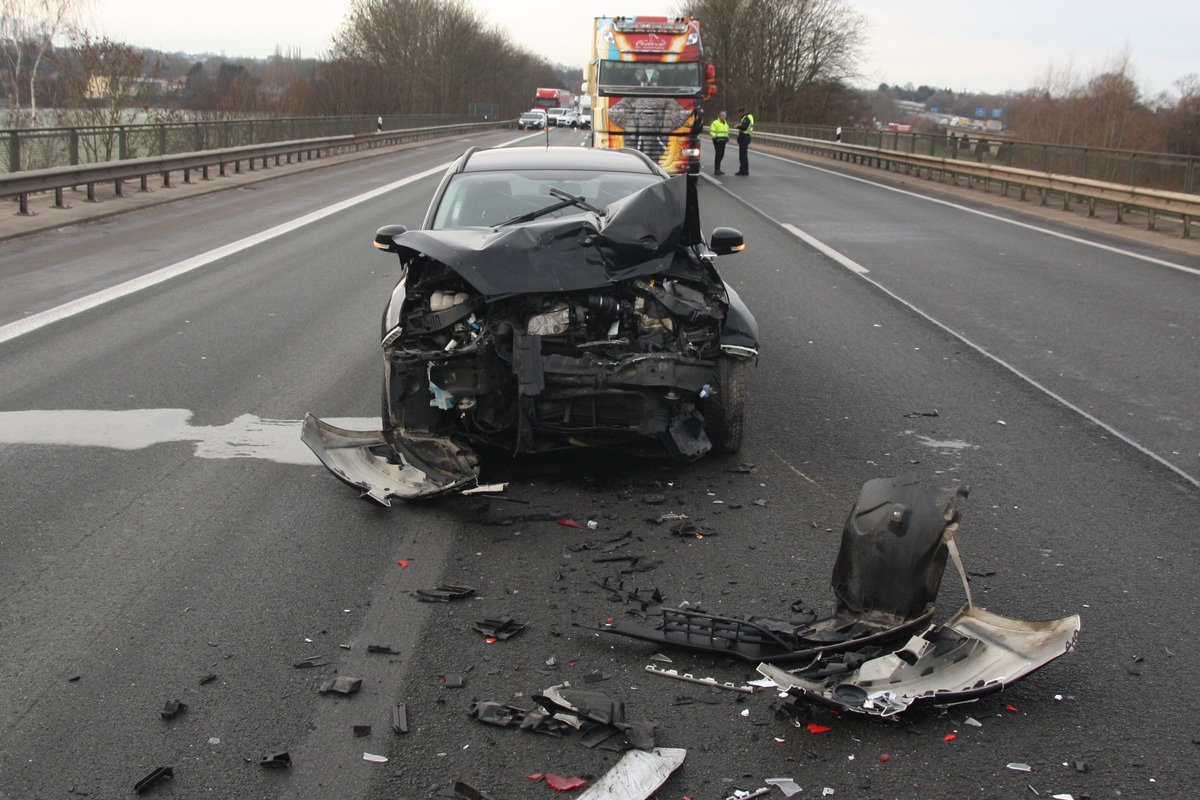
<point>501,628</point>
<point>160,774</point>
<point>374,759</point>
<point>276,761</point>
<point>637,775</point>
<point>173,708</point>
<point>341,685</point>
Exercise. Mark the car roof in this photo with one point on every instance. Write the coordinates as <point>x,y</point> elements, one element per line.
<point>558,158</point>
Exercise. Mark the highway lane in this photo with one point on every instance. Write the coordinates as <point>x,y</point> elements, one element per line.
<point>1107,325</point>
<point>141,570</point>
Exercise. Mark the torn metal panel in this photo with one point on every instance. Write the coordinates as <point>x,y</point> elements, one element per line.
<point>637,776</point>
<point>974,654</point>
<point>381,469</point>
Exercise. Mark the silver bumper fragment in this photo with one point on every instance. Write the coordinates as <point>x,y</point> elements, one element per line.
<point>367,461</point>
<point>974,654</point>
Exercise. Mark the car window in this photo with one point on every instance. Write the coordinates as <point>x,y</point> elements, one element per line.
<point>489,198</point>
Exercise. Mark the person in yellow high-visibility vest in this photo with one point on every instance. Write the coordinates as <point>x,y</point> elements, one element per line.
<point>745,132</point>
<point>719,131</point>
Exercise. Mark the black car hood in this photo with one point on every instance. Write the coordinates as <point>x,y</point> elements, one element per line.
<point>637,236</point>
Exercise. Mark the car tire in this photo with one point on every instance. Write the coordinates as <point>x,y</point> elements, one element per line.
<point>725,409</point>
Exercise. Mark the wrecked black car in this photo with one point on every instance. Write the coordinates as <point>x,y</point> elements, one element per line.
<point>553,298</point>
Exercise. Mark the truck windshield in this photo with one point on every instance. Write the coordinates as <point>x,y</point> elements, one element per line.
<point>620,77</point>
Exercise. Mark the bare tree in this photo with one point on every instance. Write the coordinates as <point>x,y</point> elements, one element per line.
<point>28,29</point>
<point>787,60</point>
<point>425,56</point>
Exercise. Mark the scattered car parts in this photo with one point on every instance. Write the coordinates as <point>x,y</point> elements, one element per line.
<point>886,578</point>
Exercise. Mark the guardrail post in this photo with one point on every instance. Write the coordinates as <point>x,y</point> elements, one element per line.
<point>73,147</point>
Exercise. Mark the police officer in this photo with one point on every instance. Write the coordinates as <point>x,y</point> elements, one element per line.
<point>745,132</point>
<point>719,131</point>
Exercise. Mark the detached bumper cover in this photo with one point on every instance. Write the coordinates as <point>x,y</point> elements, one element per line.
<point>383,469</point>
<point>973,654</point>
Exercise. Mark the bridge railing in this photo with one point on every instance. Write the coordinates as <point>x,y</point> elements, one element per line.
<point>58,179</point>
<point>1175,173</point>
<point>992,176</point>
<point>23,149</point>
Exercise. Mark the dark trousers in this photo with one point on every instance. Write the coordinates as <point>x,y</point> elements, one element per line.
<point>719,151</point>
<point>743,154</point>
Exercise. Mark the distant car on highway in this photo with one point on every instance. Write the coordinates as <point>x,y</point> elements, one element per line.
<point>534,119</point>
<point>569,119</point>
<point>585,120</point>
<point>554,114</point>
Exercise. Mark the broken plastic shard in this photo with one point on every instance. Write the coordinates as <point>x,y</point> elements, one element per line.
<point>687,676</point>
<point>209,678</point>
<point>311,661</point>
<point>465,791</point>
<point>160,774</point>
<point>444,593</point>
<point>383,467</point>
<point>276,761</point>
<point>374,758</point>
<point>563,784</point>
<point>786,785</point>
<point>361,730</point>
<point>385,649</point>
<point>486,488</point>
<point>454,680</point>
<point>1016,766</point>
<point>399,718</point>
<point>173,708</point>
<point>637,775</point>
<point>500,628</point>
<point>341,685</point>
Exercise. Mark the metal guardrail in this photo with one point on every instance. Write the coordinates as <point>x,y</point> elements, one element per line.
<point>989,175</point>
<point>24,149</point>
<point>1169,171</point>
<point>58,179</point>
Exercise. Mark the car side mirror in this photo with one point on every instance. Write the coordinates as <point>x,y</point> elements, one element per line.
<point>726,241</point>
<point>385,237</point>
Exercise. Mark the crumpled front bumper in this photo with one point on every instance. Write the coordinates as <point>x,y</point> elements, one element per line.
<point>383,467</point>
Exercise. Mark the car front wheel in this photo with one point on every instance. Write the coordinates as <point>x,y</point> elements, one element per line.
<point>725,409</point>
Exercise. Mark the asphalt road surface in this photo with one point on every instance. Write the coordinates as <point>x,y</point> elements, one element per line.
<point>166,537</point>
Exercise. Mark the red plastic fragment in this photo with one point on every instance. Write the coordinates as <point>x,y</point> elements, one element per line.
<point>950,737</point>
<point>1013,709</point>
<point>402,563</point>
<point>491,640</point>
<point>537,776</point>
<point>884,758</point>
<point>815,728</point>
<point>563,784</point>
<point>569,523</point>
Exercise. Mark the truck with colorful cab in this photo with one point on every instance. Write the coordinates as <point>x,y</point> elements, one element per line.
<point>647,82</point>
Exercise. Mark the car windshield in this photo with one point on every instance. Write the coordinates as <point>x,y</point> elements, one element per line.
<point>485,199</point>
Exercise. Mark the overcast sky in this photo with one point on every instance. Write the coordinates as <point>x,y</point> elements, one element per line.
<point>977,47</point>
